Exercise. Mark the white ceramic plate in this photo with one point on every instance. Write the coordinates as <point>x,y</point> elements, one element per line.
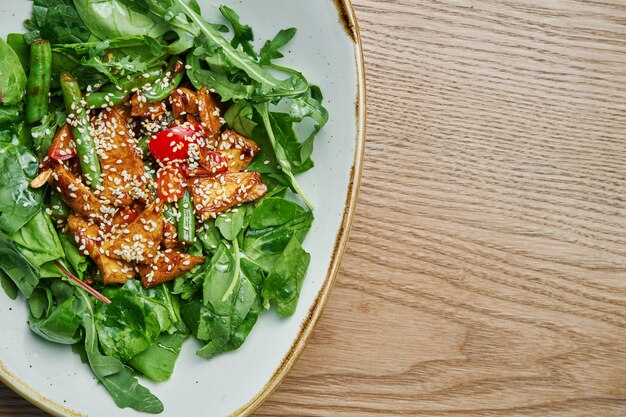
<point>327,49</point>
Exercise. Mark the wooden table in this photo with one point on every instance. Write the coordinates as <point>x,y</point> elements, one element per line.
<point>486,271</point>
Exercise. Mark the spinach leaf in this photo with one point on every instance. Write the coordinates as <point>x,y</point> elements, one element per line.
<point>18,202</point>
<point>239,117</point>
<point>163,303</point>
<point>78,261</point>
<point>21,272</point>
<point>40,302</point>
<point>9,115</point>
<point>12,76</point>
<point>265,245</point>
<point>157,362</point>
<point>275,211</point>
<point>116,378</point>
<point>57,21</point>
<point>231,223</point>
<point>38,241</point>
<point>284,281</point>
<point>229,297</point>
<point>8,285</point>
<point>109,19</point>
<point>271,49</point>
<point>127,326</point>
<point>17,42</point>
<point>243,33</point>
<point>63,325</point>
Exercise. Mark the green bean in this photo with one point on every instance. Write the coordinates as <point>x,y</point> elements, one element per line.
<point>59,209</point>
<point>39,81</point>
<point>173,77</point>
<point>187,220</point>
<point>85,142</point>
<point>111,95</point>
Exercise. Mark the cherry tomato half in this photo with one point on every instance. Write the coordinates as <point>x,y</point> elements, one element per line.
<point>62,147</point>
<point>173,144</point>
<point>171,184</point>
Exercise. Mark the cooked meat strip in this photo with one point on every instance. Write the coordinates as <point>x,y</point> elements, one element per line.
<point>215,195</point>
<point>86,234</point>
<point>210,113</point>
<point>167,266</point>
<point>141,108</point>
<point>238,150</point>
<point>139,241</point>
<point>78,196</point>
<point>123,171</point>
<point>183,102</point>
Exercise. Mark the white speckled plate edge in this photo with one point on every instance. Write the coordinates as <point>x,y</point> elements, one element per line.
<point>346,18</point>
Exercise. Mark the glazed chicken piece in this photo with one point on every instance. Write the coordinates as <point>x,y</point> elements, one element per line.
<point>167,266</point>
<point>183,102</point>
<point>139,241</point>
<point>123,171</point>
<point>210,114</point>
<point>238,150</point>
<point>215,195</point>
<point>170,236</point>
<point>113,271</point>
<point>78,196</point>
<point>141,108</point>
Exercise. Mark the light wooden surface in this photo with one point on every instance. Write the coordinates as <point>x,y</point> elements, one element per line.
<point>486,271</point>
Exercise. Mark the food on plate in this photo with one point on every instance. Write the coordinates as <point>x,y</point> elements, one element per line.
<point>148,191</point>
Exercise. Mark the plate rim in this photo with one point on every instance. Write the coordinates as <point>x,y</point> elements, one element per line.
<point>347,17</point>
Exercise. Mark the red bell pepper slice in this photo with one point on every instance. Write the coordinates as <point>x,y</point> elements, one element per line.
<point>62,147</point>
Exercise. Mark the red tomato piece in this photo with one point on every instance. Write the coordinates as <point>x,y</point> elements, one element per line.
<point>62,147</point>
<point>173,144</point>
<point>171,184</point>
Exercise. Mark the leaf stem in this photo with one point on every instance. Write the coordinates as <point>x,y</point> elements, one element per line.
<point>280,154</point>
<point>237,257</point>
<point>82,284</point>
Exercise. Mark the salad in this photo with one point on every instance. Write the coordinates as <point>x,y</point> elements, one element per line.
<point>148,191</point>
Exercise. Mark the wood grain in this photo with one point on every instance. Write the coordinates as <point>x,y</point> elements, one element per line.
<point>486,271</point>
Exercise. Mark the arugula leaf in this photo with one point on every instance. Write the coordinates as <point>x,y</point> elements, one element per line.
<point>18,202</point>
<point>57,21</point>
<point>63,325</point>
<point>243,33</point>
<point>216,81</point>
<point>12,76</point>
<point>117,378</point>
<point>284,281</point>
<point>157,362</point>
<point>271,49</point>
<point>21,272</point>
